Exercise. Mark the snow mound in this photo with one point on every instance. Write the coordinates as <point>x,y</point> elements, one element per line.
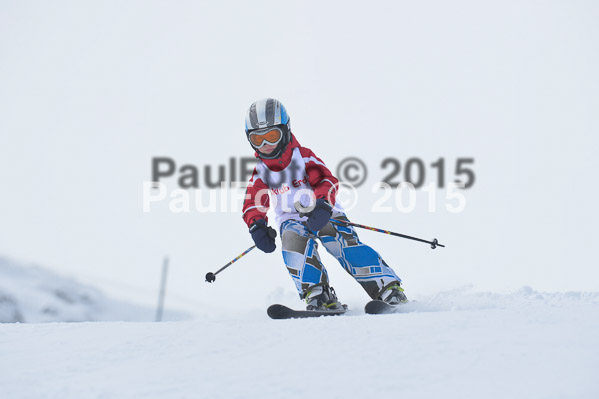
<point>31,294</point>
<point>466,298</point>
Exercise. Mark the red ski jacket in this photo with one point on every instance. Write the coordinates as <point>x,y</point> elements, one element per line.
<point>321,180</point>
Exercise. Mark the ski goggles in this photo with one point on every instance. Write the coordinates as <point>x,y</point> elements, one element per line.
<point>270,136</point>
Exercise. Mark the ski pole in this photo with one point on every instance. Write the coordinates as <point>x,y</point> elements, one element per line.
<point>434,244</point>
<point>303,211</point>
<point>210,277</point>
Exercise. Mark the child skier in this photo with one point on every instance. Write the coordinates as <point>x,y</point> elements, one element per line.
<point>289,171</point>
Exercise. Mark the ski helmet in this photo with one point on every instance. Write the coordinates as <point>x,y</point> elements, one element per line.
<point>263,117</point>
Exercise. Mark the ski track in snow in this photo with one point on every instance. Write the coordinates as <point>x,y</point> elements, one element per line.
<point>456,344</point>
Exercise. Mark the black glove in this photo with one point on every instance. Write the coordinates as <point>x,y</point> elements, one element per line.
<point>263,235</point>
<point>320,215</point>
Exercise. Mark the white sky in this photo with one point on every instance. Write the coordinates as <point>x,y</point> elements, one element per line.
<point>90,92</point>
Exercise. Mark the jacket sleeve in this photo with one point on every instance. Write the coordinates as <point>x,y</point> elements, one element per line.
<point>320,177</point>
<point>257,201</point>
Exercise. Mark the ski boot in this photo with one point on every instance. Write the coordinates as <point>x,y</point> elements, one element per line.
<point>393,295</point>
<point>322,297</point>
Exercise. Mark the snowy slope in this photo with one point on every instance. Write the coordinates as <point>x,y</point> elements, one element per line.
<point>34,294</point>
<point>458,344</point>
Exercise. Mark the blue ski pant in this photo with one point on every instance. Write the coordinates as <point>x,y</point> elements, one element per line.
<point>361,261</point>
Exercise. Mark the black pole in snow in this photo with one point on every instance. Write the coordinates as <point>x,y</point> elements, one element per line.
<point>162,290</point>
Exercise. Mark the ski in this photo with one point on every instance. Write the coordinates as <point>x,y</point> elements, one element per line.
<point>279,312</point>
<point>380,307</point>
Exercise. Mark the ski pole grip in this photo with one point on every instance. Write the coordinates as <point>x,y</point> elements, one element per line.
<point>303,210</point>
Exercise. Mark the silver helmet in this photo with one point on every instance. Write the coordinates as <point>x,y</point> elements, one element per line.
<point>263,116</point>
